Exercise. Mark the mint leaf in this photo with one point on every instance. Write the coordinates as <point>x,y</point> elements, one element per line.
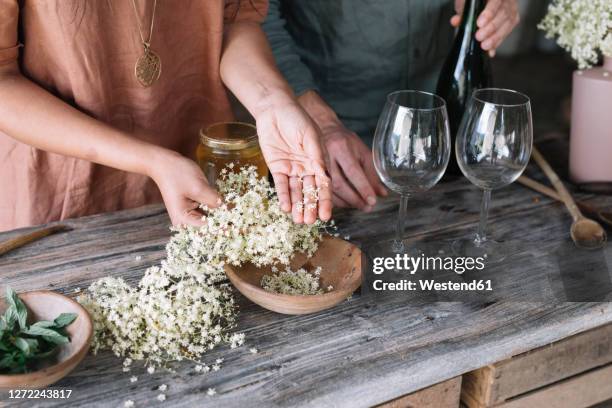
<point>64,319</point>
<point>34,330</point>
<point>57,339</point>
<point>10,318</point>
<point>44,324</point>
<point>48,334</point>
<point>21,313</point>
<point>23,346</point>
<point>27,346</point>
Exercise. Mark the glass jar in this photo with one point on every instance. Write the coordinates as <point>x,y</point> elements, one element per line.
<point>229,142</point>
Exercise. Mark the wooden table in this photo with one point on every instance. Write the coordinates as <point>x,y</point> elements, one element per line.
<point>360,353</point>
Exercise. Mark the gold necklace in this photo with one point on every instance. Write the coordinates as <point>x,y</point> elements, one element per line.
<point>148,67</point>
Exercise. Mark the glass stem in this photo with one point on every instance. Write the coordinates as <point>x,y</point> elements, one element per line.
<point>403,207</point>
<point>481,235</point>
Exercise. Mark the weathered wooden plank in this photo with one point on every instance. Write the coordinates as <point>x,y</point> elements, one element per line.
<point>361,353</point>
<point>476,388</point>
<point>580,391</point>
<point>441,395</point>
<point>494,384</point>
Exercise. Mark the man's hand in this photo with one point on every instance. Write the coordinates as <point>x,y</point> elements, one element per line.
<point>291,144</point>
<point>354,179</point>
<point>183,187</point>
<point>495,23</point>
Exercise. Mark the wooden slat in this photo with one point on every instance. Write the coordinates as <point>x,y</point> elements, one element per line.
<point>442,395</point>
<point>580,391</point>
<point>494,384</point>
<point>552,363</point>
<point>477,386</point>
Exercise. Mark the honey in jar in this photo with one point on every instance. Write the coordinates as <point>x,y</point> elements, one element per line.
<point>230,142</point>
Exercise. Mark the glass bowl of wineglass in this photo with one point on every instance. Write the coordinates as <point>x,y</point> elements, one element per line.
<point>493,147</point>
<point>411,147</point>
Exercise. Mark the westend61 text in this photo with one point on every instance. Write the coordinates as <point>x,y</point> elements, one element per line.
<point>429,285</point>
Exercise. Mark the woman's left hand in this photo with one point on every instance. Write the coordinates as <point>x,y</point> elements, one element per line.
<point>495,23</point>
<point>291,145</point>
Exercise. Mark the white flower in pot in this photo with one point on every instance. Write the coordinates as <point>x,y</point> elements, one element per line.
<point>584,28</point>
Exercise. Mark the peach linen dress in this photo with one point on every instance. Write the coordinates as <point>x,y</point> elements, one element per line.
<point>84,51</point>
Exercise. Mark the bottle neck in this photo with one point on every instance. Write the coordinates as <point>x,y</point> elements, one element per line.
<point>471,11</point>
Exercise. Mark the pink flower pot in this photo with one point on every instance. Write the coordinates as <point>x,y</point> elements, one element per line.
<point>591,136</point>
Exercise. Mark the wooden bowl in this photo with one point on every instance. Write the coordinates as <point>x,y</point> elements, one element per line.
<point>47,305</point>
<point>340,263</point>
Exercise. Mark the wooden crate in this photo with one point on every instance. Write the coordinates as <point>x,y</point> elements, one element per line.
<point>441,395</point>
<point>574,372</point>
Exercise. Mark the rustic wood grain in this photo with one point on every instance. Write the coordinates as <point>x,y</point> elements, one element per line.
<point>477,387</point>
<point>442,395</point>
<point>496,383</point>
<point>570,393</point>
<point>364,351</point>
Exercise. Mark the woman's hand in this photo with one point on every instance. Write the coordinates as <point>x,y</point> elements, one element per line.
<point>289,139</point>
<point>290,142</point>
<point>354,179</point>
<point>495,23</point>
<point>183,187</point>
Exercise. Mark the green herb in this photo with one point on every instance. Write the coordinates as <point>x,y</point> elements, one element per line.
<point>23,346</point>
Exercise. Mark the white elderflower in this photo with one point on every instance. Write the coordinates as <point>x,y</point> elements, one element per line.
<point>583,27</point>
<point>211,392</point>
<point>184,306</point>
<point>161,397</point>
<point>288,282</point>
<point>253,350</point>
<point>162,387</point>
<point>128,404</point>
<point>133,379</point>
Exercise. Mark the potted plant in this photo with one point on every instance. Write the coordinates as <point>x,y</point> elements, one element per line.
<point>584,28</point>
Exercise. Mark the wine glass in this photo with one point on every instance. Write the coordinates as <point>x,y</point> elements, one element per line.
<point>493,147</point>
<point>411,147</point>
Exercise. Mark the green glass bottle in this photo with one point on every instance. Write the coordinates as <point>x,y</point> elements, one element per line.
<point>466,69</point>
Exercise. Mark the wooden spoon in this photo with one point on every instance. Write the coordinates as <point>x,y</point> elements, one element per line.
<point>21,240</point>
<point>585,232</point>
<point>603,216</point>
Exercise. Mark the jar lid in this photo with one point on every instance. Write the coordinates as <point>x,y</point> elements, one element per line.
<point>229,135</point>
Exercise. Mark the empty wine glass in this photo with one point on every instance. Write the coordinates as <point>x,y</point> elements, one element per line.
<point>411,147</point>
<point>493,147</point>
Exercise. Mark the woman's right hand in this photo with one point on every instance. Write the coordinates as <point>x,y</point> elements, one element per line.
<point>183,187</point>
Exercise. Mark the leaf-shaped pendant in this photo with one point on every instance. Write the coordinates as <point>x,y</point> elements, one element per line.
<point>147,68</point>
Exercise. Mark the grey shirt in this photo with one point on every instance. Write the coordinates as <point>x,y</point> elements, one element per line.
<point>355,52</point>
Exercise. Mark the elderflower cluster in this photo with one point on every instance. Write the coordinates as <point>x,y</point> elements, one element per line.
<point>288,282</point>
<point>583,27</point>
<point>184,306</point>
